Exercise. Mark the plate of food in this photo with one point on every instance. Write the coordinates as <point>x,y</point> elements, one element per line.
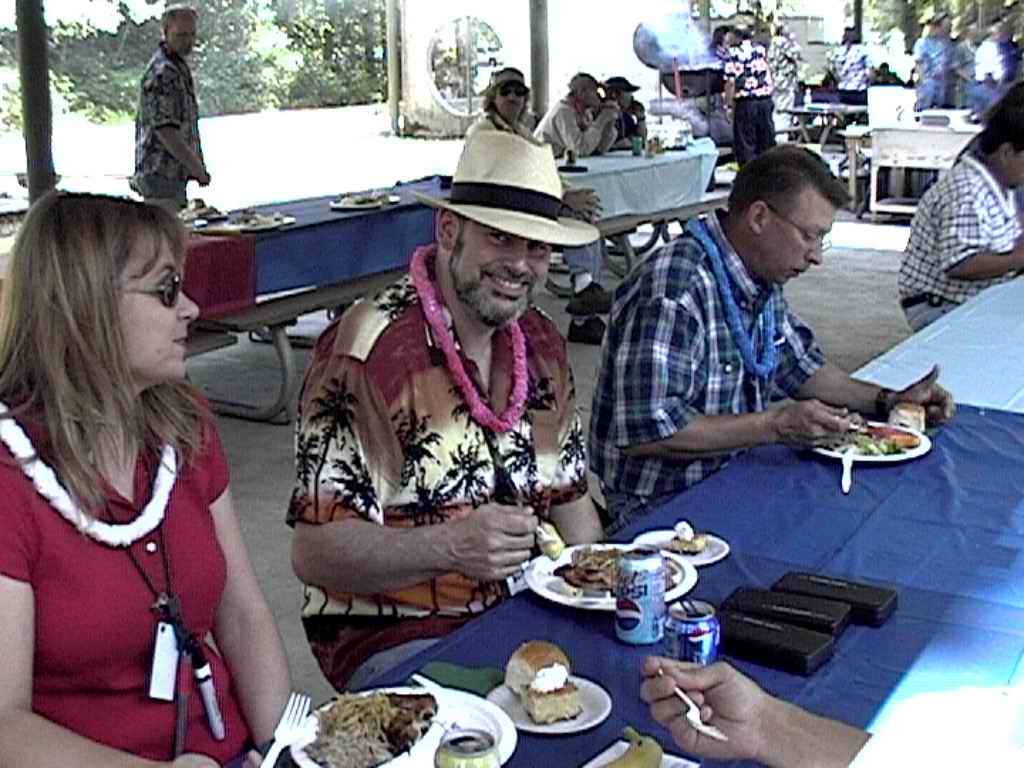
<point>395,727</point>
<point>541,695</point>
<point>198,209</point>
<point>363,200</point>
<point>878,443</point>
<point>696,547</point>
<point>584,576</point>
<point>243,223</point>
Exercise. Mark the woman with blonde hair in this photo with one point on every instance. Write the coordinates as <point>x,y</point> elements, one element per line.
<point>125,587</point>
<point>506,105</point>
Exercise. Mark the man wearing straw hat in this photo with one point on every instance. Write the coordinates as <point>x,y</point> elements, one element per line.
<point>438,425</point>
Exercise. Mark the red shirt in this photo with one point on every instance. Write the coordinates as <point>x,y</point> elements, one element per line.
<point>95,628</point>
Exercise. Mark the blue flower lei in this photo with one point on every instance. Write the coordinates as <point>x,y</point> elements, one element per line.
<point>764,365</point>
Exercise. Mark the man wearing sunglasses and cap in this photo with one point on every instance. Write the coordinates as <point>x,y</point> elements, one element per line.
<point>438,425</point>
<point>632,117</point>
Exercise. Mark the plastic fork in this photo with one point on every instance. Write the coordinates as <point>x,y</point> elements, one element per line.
<point>693,715</point>
<point>289,727</point>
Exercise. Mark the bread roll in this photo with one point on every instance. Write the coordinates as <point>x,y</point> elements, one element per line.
<point>528,659</point>
<point>909,415</point>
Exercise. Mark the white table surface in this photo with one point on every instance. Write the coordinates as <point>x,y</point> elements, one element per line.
<point>980,346</point>
<point>629,184</point>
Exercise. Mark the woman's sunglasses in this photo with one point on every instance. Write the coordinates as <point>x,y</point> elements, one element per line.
<point>168,291</point>
<point>513,89</point>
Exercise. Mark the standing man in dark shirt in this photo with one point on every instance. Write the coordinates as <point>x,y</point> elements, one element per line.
<point>168,151</point>
<point>748,94</point>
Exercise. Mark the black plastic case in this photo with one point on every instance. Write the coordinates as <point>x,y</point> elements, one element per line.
<point>869,604</point>
<point>828,616</point>
<point>774,644</point>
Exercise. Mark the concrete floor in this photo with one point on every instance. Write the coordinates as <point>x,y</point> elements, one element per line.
<point>850,302</point>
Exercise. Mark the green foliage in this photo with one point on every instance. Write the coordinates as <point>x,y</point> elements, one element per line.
<point>252,55</point>
<point>341,51</point>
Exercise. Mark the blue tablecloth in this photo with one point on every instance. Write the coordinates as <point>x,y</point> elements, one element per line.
<point>325,246</point>
<point>946,530</point>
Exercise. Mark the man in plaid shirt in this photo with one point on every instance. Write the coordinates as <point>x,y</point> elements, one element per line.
<point>702,340</point>
<point>967,234</point>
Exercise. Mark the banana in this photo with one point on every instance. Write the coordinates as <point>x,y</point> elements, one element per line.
<point>643,752</point>
<point>550,540</point>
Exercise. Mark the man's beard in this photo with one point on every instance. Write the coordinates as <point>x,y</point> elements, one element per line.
<point>474,295</point>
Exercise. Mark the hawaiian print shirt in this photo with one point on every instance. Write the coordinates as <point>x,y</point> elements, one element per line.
<point>853,68</point>
<point>385,436</point>
<point>747,64</point>
<point>784,57</point>
<point>168,98</point>
<point>669,356</point>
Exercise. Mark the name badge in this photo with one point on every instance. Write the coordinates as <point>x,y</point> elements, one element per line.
<point>163,671</point>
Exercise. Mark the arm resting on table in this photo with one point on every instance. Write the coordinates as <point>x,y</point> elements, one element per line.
<point>711,436</point>
<point>799,739</point>
<point>833,385</point>
<point>987,265</point>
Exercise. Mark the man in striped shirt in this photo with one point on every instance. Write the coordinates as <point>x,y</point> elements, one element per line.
<point>701,340</point>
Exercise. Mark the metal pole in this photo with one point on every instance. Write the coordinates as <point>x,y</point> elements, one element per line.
<point>393,34</point>
<point>470,56</point>
<point>539,65</point>
<point>858,17</point>
<point>37,114</point>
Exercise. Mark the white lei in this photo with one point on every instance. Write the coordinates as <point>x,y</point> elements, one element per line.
<point>48,486</point>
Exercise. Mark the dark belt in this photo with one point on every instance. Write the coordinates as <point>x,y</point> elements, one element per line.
<point>924,298</point>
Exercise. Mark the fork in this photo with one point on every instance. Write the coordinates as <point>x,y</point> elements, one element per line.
<point>693,715</point>
<point>289,727</point>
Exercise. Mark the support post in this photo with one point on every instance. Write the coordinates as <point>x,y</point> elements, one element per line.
<point>393,33</point>
<point>539,69</point>
<point>36,110</point>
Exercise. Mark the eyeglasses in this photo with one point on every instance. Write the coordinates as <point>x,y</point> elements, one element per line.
<point>813,240</point>
<point>167,291</point>
<point>513,88</point>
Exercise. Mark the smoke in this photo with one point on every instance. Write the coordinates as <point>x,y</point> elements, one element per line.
<point>671,39</point>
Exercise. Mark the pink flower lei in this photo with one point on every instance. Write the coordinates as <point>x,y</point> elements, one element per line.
<point>482,414</point>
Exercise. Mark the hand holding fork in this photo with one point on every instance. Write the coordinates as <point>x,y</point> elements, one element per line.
<point>289,728</point>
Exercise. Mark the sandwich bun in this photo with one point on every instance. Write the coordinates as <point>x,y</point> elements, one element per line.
<point>909,415</point>
<point>528,659</point>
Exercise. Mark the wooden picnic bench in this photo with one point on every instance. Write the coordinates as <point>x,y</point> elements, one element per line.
<point>273,315</point>
<point>618,228</point>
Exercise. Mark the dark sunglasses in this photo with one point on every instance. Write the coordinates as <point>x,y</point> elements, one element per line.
<point>168,291</point>
<point>513,89</point>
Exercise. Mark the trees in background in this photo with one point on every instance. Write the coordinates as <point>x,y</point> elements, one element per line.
<point>253,55</point>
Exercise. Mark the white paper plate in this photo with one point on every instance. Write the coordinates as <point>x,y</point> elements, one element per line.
<point>455,709</point>
<point>618,749</point>
<point>596,703</point>
<point>231,227</point>
<point>913,453</point>
<point>717,548</point>
<point>351,203</point>
<point>540,577</point>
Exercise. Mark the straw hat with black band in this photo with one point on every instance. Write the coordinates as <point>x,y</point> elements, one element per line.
<point>507,183</point>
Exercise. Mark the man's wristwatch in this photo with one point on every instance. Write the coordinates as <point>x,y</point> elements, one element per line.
<point>883,402</point>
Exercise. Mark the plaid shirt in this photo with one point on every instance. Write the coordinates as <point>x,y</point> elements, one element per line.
<point>669,356</point>
<point>167,99</point>
<point>966,212</point>
<point>747,64</point>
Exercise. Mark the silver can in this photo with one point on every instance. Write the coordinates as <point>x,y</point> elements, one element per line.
<point>692,632</point>
<point>467,748</point>
<point>640,597</point>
